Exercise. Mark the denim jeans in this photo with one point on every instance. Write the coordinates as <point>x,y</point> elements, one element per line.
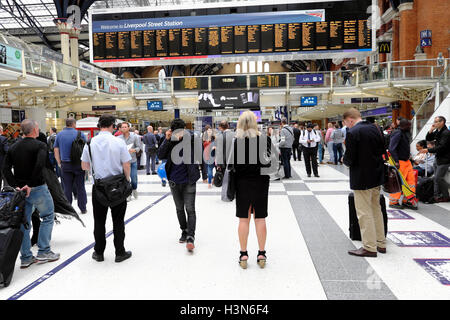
<point>184,197</point>
<point>134,175</point>
<point>150,160</point>
<point>337,150</point>
<point>320,152</point>
<point>210,168</point>
<point>73,176</point>
<point>51,156</point>
<point>40,199</point>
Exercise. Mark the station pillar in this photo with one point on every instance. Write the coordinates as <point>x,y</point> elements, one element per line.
<point>74,34</point>
<point>64,31</point>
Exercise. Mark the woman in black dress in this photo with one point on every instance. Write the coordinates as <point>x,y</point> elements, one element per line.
<point>252,186</point>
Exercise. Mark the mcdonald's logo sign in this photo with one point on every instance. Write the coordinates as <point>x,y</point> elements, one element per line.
<point>384,47</point>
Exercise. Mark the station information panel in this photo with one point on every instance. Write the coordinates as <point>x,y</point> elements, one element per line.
<point>212,36</point>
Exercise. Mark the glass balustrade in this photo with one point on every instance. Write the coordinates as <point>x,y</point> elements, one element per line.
<point>88,79</point>
<point>39,66</point>
<point>66,73</point>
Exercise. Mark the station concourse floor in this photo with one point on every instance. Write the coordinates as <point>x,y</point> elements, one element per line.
<point>307,246</point>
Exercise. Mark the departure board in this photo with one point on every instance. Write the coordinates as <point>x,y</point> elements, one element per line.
<point>201,41</point>
<point>322,35</point>
<point>111,45</point>
<point>308,39</point>
<point>213,41</point>
<point>99,45</point>
<point>136,40</point>
<point>336,35</point>
<point>350,34</point>
<point>136,44</point>
<point>294,36</point>
<point>280,37</point>
<point>267,38</point>
<point>226,40</point>
<point>161,43</point>
<point>254,39</point>
<point>148,43</point>
<point>240,39</point>
<point>268,81</point>
<point>123,45</point>
<point>364,35</point>
<point>175,42</point>
<point>187,42</point>
<point>190,83</point>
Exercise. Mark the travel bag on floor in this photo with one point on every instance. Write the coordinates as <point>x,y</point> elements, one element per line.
<point>425,190</point>
<point>10,242</point>
<point>355,232</point>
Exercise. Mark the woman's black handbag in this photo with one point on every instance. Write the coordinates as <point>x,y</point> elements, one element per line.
<point>110,191</point>
<point>218,178</point>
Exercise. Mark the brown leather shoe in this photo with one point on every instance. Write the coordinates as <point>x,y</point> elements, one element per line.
<point>381,250</point>
<point>361,252</point>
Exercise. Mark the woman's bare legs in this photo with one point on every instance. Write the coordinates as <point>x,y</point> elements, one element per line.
<point>243,230</point>
<point>261,234</point>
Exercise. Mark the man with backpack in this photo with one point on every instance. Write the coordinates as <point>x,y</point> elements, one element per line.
<point>68,148</point>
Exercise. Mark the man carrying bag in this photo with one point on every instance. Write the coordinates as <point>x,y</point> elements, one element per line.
<point>110,162</point>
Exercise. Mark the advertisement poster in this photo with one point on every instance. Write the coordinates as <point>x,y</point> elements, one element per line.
<point>229,99</point>
<point>10,57</point>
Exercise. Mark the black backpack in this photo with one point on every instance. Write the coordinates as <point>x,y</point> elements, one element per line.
<point>51,143</point>
<point>77,149</point>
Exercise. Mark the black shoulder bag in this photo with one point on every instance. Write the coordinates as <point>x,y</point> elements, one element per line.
<point>110,191</point>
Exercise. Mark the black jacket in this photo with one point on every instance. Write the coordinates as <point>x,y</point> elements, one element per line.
<point>296,137</point>
<point>165,151</point>
<point>399,145</point>
<point>364,155</point>
<point>442,147</point>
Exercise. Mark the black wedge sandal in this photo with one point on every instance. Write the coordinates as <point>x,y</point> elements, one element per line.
<point>261,262</point>
<point>243,263</point>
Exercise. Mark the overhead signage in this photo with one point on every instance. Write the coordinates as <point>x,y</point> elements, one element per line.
<point>190,83</point>
<point>149,40</point>
<point>376,112</point>
<point>229,82</point>
<point>364,100</point>
<point>103,108</point>
<point>155,105</point>
<point>10,57</point>
<point>228,99</point>
<point>309,101</point>
<point>309,79</point>
<point>268,81</point>
<point>384,47</point>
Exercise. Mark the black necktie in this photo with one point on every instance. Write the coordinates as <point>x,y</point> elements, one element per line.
<point>309,138</point>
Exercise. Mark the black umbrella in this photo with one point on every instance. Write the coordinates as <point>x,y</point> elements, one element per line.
<point>61,204</point>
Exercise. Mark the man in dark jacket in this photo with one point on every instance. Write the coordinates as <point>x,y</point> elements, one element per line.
<point>364,156</point>
<point>296,145</point>
<point>441,134</point>
<point>4,146</point>
<point>182,176</point>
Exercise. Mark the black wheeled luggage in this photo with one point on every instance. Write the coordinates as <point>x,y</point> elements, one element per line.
<point>354,230</point>
<point>10,242</point>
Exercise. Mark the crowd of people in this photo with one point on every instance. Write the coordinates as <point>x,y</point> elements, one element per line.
<point>115,152</point>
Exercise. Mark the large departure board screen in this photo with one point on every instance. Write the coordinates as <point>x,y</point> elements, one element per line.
<point>223,36</point>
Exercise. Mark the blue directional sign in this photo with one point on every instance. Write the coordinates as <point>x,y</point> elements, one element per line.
<point>309,101</point>
<point>425,34</point>
<point>155,105</point>
<point>425,42</point>
<point>309,79</point>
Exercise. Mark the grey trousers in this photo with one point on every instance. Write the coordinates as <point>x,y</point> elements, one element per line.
<point>440,185</point>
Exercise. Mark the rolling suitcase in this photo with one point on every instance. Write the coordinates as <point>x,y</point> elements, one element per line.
<point>10,242</point>
<point>355,232</point>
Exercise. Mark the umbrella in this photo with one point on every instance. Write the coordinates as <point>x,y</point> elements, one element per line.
<point>62,206</point>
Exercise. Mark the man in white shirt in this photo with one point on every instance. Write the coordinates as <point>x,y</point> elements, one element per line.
<point>310,139</point>
<point>110,157</point>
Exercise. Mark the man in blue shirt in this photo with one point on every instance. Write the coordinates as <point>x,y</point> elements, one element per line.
<point>71,173</point>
